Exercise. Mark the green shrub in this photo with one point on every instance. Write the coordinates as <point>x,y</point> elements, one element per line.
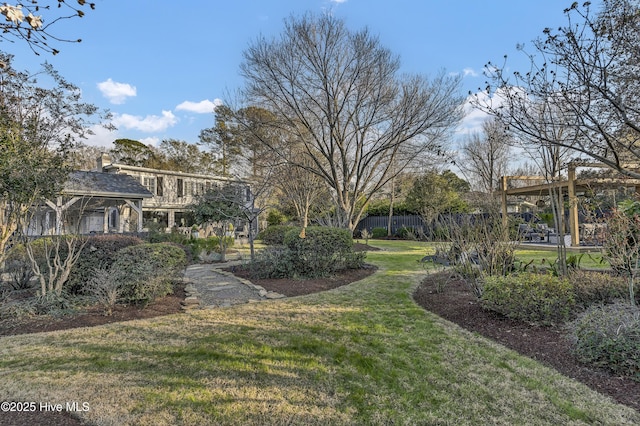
<point>99,253</point>
<point>273,262</point>
<point>147,271</point>
<point>323,250</point>
<point>19,268</point>
<point>274,235</point>
<point>592,287</point>
<point>609,336</point>
<point>275,218</point>
<point>169,237</point>
<point>209,244</point>
<point>541,298</point>
<point>378,232</point>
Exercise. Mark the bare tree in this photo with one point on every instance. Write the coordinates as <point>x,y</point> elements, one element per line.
<point>339,92</point>
<point>52,258</point>
<point>299,186</point>
<point>485,156</point>
<point>583,80</point>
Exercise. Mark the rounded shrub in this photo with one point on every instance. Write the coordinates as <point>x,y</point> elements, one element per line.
<point>608,336</point>
<point>378,232</point>
<point>99,253</point>
<point>148,271</point>
<point>323,250</point>
<point>276,217</point>
<point>274,234</point>
<point>532,297</point>
<point>273,262</point>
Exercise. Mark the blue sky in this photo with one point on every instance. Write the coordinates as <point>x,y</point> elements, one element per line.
<point>160,66</point>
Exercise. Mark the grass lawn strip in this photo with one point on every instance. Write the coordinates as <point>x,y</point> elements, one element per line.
<point>360,354</point>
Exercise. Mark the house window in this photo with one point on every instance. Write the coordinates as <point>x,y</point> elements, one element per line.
<point>180,188</point>
<point>188,188</point>
<point>160,186</point>
<point>149,183</point>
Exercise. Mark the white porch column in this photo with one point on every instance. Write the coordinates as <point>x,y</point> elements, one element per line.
<point>105,220</point>
<point>137,207</point>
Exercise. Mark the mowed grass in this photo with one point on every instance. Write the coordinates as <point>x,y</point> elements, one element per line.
<point>362,354</point>
<point>593,260</point>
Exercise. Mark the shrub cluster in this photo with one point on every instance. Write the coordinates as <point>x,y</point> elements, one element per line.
<point>541,298</point>
<point>147,271</point>
<point>274,234</point>
<point>378,232</point>
<point>592,287</point>
<point>324,250</point>
<point>609,336</point>
<point>209,244</point>
<point>99,253</point>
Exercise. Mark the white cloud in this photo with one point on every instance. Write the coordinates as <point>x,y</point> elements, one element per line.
<point>102,137</point>
<point>117,93</point>
<point>149,124</point>
<point>470,72</point>
<point>203,107</point>
<point>338,1</point>
<point>150,141</point>
<point>473,117</point>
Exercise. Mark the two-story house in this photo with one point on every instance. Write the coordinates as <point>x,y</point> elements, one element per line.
<point>172,192</point>
<point>118,198</point>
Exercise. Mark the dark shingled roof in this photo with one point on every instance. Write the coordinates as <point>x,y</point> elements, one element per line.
<point>100,184</point>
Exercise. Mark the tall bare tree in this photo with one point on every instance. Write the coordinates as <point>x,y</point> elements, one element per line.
<point>485,156</point>
<point>340,93</point>
<point>583,79</point>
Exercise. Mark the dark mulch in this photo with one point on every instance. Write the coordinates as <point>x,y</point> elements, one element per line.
<point>93,316</point>
<point>547,345</point>
<point>293,287</point>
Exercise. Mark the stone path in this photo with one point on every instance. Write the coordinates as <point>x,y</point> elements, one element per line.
<point>208,286</point>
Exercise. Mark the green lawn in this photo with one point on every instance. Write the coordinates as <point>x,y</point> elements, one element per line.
<point>362,354</point>
<point>586,259</point>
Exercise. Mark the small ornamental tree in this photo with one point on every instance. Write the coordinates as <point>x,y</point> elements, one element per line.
<point>622,245</point>
<point>221,207</point>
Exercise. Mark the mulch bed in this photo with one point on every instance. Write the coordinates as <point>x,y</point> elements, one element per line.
<point>547,345</point>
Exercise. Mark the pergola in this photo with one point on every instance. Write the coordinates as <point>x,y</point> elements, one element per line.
<point>570,187</point>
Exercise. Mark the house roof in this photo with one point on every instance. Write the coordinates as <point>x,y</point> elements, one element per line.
<point>117,167</point>
<point>106,185</point>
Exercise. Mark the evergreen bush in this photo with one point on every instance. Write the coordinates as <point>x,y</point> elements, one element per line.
<point>532,297</point>
<point>148,271</point>
<point>322,251</point>
<point>274,234</point>
<point>378,232</point>
<point>99,253</point>
<point>593,287</point>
